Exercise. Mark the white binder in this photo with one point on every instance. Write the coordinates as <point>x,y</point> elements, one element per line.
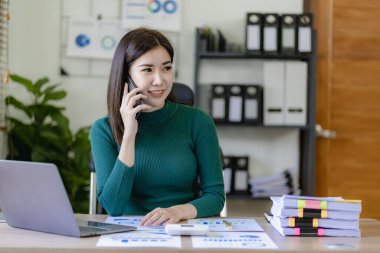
<point>295,92</point>
<point>235,113</point>
<point>305,24</point>
<point>227,173</point>
<point>218,103</point>
<point>274,85</point>
<point>304,39</point>
<point>253,32</point>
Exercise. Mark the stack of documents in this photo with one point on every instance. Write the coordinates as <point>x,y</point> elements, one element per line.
<point>311,216</point>
<point>275,185</point>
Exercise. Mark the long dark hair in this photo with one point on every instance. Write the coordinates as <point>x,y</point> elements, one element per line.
<point>133,45</point>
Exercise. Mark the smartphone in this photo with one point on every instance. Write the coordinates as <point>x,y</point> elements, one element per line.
<point>131,86</point>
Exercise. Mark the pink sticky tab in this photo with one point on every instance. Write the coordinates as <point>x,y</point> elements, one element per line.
<point>313,204</point>
<point>321,232</point>
<point>297,231</point>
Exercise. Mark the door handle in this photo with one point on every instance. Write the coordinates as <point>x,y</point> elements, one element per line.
<point>324,133</point>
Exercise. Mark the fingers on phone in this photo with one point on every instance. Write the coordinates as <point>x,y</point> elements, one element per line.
<point>142,107</point>
<point>136,90</point>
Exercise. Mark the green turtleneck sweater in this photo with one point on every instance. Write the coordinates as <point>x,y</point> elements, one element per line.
<point>177,161</point>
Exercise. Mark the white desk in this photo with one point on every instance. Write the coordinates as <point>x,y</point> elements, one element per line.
<point>20,240</point>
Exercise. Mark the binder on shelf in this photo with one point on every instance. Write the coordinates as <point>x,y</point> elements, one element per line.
<point>219,103</point>
<point>235,103</point>
<point>288,34</point>
<point>271,23</point>
<point>274,88</point>
<point>304,33</point>
<point>241,175</point>
<point>295,92</point>
<point>222,42</point>
<point>228,167</point>
<point>253,35</point>
<point>202,39</point>
<point>253,104</point>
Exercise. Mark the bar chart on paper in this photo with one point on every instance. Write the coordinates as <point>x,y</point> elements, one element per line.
<point>133,221</point>
<point>140,239</point>
<point>236,240</point>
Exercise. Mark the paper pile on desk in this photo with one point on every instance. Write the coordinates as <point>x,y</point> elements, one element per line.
<point>274,185</point>
<point>310,216</point>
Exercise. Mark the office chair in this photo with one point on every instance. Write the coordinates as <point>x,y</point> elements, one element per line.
<point>184,95</point>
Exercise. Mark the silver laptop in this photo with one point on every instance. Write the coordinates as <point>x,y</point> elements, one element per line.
<point>32,196</point>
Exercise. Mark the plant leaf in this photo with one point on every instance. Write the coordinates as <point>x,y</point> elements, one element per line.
<point>14,121</point>
<point>63,122</point>
<point>23,134</point>
<point>10,100</point>
<point>54,96</point>
<point>42,153</point>
<point>50,88</point>
<point>38,85</point>
<point>28,84</point>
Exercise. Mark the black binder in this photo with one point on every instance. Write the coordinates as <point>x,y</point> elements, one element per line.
<point>222,43</point>
<point>304,33</point>
<point>219,103</point>
<point>253,33</point>
<point>253,104</point>
<point>288,34</point>
<point>271,26</point>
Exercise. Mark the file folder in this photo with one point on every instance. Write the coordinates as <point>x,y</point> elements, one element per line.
<point>288,34</point>
<point>227,173</point>
<point>295,93</point>
<point>253,104</point>
<point>304,33</point>
<point>202,39</point>
<point>219,103</point>
<point>253,38</point>
<point>274,88</point>
<point>241,174</point>
<point>271,23</point>
<point>235,103</point>
<point>222,42</point>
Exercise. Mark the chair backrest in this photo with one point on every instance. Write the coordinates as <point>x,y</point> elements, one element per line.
<point>183,94</point>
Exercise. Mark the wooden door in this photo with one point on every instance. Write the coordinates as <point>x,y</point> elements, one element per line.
<point>348,100</point>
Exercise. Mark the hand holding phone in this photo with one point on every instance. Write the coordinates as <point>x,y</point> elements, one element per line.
<point>131,86</point>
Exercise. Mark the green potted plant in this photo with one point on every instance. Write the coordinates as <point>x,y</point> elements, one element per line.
<point>43,135</point>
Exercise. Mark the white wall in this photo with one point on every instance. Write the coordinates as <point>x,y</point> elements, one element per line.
<point>35,41</point>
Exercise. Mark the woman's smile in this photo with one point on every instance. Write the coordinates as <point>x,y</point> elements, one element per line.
<point>156,93</point>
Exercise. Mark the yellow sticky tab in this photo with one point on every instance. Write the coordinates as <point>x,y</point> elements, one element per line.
<point>300,212</point>
<point>324,214</point>
<point>315,223</point>
<point>349,200</point>
<point>323,204</point>
<point>301,203</point>
<point>292,222</point>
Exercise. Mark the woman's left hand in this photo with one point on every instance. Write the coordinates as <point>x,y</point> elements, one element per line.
<point>170,215</point>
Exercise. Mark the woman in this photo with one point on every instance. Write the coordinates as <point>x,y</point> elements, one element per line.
<point>165,164</point>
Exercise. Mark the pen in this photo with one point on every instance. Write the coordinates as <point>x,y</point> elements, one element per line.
<point>228,225</point>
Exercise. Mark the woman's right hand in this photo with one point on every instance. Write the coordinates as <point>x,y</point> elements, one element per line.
<point>128,112</point>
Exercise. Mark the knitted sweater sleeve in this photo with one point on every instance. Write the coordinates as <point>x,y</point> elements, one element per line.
<point>114,178</point>
<point>207,150</point>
